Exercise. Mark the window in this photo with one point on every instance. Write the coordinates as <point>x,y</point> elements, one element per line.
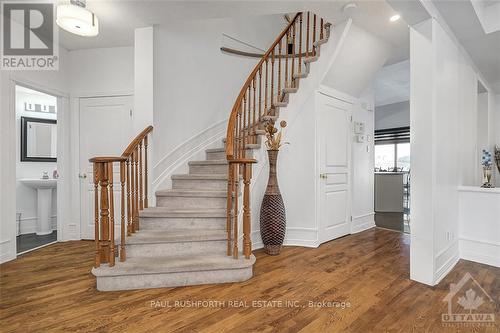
<point>403,156</point>
<point>392,149</point>
<point>384,157</point>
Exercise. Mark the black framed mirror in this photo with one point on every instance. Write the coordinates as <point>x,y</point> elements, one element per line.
<point>38,140</point>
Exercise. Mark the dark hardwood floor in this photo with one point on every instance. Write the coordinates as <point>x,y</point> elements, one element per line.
<point>392,221</point>
<point>52,290</point>
<point>30,241</point>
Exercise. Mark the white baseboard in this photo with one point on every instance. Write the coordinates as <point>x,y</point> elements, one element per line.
<point>306,237</point>
<point>446,260</point>
<point>362,222</point>
<point>7,257</point>
<point>487,253</point>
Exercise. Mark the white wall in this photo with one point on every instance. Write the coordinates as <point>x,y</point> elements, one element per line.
<point>195,84</point>
<point>81,73</point>
<point>103,71</point>
<point>363,163</point>
<point>421,94</point>
<point>392,115</point>
<point>26,197</point>
<point>495,129</point>
<point>479,224</point>
<point>297,162</point>
<point>54,82</point>
<point>443,121</point>
<point>143,78</point>
<point>361,57</point>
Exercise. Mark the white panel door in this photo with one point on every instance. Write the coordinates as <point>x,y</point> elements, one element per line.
<point>106,129</point>
<point>334,128</point>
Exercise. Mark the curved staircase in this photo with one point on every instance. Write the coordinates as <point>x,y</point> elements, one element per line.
<point>192,237</point>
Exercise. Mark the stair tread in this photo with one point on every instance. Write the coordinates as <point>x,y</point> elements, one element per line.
<point>174,236</point>
<point>203,176</point>
<point>169,212</point>
<point>208,162</point>
<point>174,264</point>
<point>190,193</point>
<point>215,150</point>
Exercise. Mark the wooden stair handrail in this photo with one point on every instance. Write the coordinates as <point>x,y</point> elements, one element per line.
<point>257,104</point>
<point>258,55</point>
<point>130,148</point>
<point>239,99</point>
<point>107,159</point>
<point>133,184</point>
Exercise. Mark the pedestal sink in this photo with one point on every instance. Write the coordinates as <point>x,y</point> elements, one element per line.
<point>44,189</point>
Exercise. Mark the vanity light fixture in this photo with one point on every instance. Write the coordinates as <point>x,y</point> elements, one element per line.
<point>395,17</point>
<point>77,19</point>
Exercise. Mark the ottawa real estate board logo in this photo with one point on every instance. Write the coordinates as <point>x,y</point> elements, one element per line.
<point>469,305</point>
<point>29,36</point>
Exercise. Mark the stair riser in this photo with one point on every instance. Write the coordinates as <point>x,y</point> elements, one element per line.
<point>213,156</point>
<point>220,169</point>
<point>175,248</point>
<point>186,203</point>
<point>177,279</point>
<point>176,223</point>
<point>216,156</point>
<point>200,184</point>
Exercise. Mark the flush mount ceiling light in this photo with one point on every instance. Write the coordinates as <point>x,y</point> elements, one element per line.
<point>77,19</point>
<point>349,9</point>
<point>395,17</point>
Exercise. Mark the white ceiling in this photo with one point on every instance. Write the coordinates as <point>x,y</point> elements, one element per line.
<point>118,19</point>
<point>483,48</point>
<point>392,84</point>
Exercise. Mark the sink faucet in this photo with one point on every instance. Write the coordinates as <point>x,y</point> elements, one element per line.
<point>45,175</point>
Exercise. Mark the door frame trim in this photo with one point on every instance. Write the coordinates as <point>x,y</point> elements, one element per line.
<point>63,163</point>
<point>327,92</point>
<point>75,147</point>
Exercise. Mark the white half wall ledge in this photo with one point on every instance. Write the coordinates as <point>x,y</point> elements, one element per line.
<point>479,224</point>
<point>487,253</point>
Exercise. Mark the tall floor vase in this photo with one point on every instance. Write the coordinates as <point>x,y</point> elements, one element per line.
<point>272,211</point>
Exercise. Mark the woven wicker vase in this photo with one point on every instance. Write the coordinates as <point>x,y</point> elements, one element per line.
<point>272,211</point>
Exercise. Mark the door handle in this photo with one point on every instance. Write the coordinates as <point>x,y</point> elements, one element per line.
<point>82,175</point>
<point>323,176</point>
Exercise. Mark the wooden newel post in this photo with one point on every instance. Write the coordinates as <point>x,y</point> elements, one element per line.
<point>104,212</point>
<point>247,243</point>
<point>96,216</point>
<point>246,169</point>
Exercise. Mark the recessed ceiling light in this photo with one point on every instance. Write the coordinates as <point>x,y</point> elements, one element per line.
<point>395,17</point>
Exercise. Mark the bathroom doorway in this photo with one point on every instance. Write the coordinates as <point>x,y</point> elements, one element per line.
<point>36,168</point>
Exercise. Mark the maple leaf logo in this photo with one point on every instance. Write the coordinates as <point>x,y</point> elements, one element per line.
<point>470,301</point>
